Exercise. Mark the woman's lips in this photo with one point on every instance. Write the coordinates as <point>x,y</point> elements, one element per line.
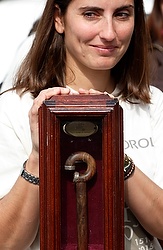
<point>105,49</point>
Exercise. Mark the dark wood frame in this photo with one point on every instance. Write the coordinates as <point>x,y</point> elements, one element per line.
<point>51,114</point>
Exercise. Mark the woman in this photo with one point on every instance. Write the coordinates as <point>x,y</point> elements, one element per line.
<point>84,47</point>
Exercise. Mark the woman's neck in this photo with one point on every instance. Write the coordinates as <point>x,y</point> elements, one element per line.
<point>98,80</point>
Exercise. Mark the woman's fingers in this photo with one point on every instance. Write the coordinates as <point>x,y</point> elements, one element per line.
<point>33,113</point>
<point>83,91</point>
<point>90,91</point>
<point>93,91</point>
<point>45,95</point>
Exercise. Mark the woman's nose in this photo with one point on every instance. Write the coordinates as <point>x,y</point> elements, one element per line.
<point>108,31</point>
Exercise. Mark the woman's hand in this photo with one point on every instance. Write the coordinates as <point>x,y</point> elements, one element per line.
<point>33,113</point>
<point>95,92</point>
<point>33,117</point>
<point>90,91</point>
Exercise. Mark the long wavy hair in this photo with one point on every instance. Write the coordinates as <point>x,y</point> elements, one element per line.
<point>45,64</point>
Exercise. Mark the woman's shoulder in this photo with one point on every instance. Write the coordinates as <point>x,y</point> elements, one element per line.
<point>156,96</point>
<point>11,101</point>
<point>12,98</point>
<point>156,106</point>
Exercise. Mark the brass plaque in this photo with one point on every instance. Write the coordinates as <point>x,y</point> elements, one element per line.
<point>80,128</point>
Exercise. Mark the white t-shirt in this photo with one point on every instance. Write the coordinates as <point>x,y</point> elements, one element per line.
<point>143,137</point>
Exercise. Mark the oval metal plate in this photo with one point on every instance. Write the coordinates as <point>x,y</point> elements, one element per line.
<point>80,128</point>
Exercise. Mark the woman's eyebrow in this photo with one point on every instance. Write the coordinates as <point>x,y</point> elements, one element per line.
<point>84,8</point>
<point>129,6</point>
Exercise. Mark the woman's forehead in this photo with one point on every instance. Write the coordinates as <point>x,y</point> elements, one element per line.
<point>105,4</point>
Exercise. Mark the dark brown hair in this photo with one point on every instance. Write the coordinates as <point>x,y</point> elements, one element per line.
<point>44,66</point>
<point>155,22</point>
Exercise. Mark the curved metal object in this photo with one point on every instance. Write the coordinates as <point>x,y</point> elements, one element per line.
<point>81,193</point>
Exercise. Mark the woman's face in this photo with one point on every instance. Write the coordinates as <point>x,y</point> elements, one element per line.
<point>97,32</point>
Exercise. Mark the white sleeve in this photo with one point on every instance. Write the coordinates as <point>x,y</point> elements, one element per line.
<point>15,140</point>
<point>156,112</point>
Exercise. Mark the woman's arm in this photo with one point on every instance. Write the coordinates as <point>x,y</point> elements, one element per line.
<point>19,213</point>
<point>145,199</point>
<point>19,208</point>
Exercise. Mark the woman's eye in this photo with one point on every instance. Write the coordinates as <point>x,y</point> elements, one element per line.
<point>122,15</point>
<point>90,14</point>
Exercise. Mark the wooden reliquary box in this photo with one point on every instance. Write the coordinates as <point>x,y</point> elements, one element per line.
<point>81,173</point>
